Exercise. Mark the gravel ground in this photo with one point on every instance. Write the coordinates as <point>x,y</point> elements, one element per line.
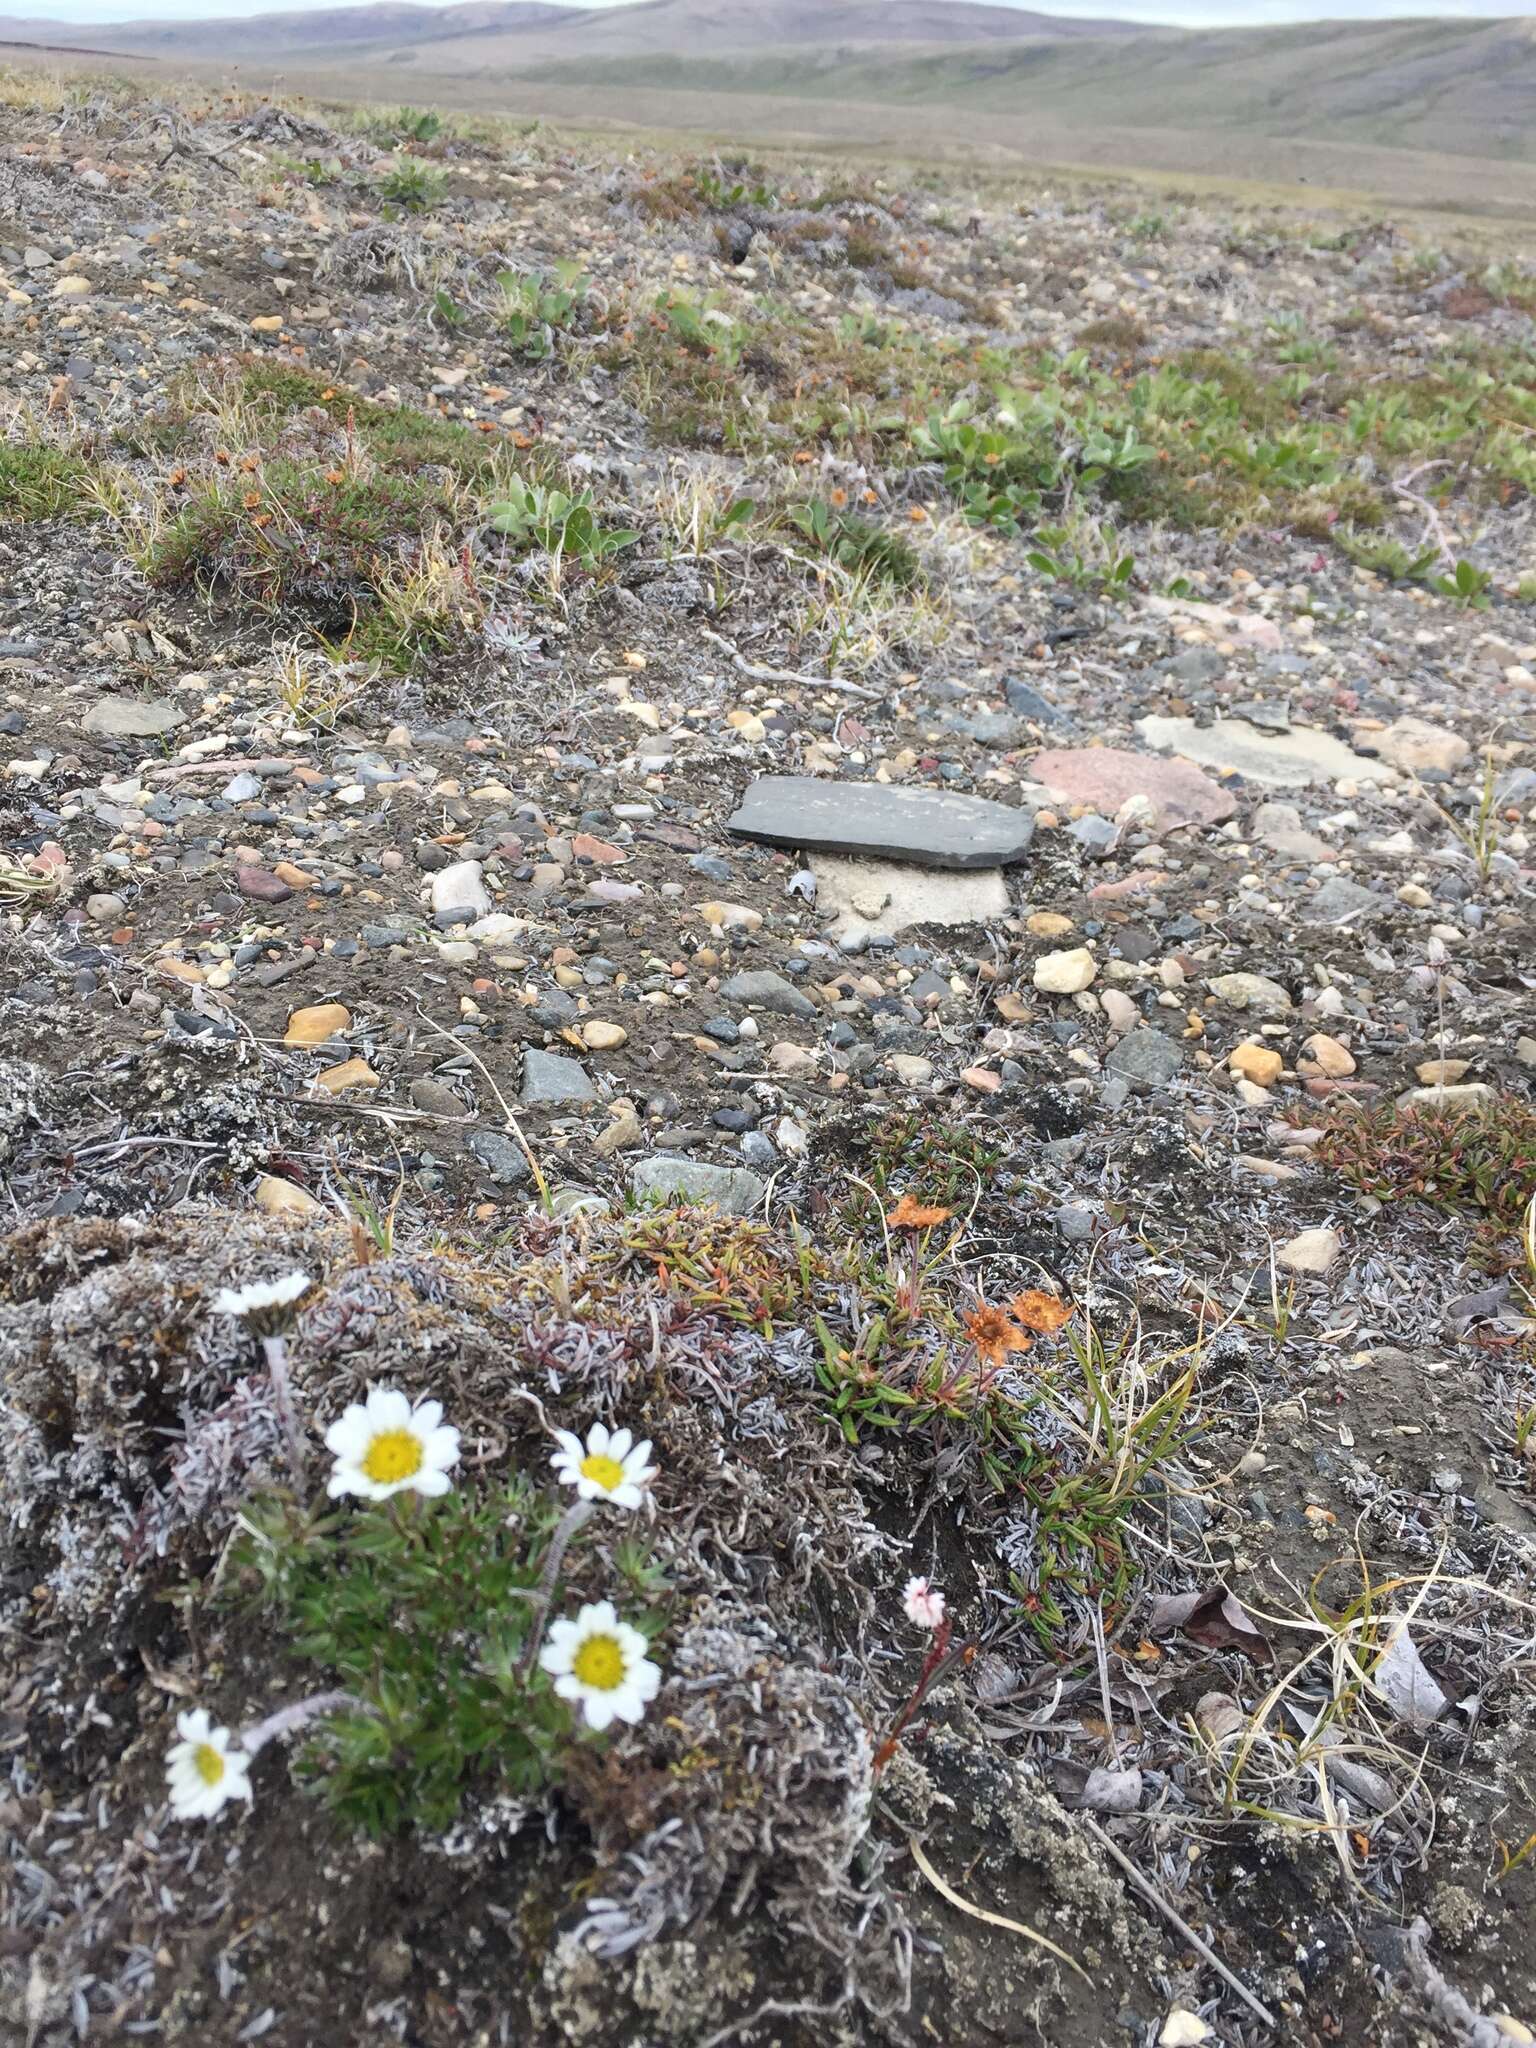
<point>426,967</point>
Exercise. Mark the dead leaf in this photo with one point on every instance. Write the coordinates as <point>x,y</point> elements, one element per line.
<point>1110,1791</point>
<point>1405,1683</point>
<point>1219,1717</point>
<point>1214,1617</point>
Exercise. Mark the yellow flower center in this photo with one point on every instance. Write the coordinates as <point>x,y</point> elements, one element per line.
<point>599,1663</point>
<point>208,1763</point>
<point>393,1455</point>
<point>602,1471</point>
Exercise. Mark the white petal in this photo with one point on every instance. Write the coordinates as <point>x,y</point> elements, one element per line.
<point>619,1443</point>
<point>597,1439</point>
<point>193,1724</point>
<point>348,1435</point>
<point>440,1448</point>
<point>570,1446</point>
<point>568,1685</point>
<point>432,1484</point>
<point>427,1415</point>
<point>388,1408</point>
<point>599,1618</point>
<point>599,1708</point>
<point>625,1496</point>
<point>637,1457</point>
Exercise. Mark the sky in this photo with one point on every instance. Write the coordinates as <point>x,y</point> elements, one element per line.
<point>1176,13</point>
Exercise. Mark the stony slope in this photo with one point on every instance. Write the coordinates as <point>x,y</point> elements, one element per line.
<point>405,637</point>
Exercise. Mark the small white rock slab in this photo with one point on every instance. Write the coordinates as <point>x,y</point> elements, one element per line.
<point>1278,760</point>
<point>881,899</point>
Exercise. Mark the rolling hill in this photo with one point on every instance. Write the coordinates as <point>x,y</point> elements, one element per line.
<point>481,36</point>
<point>1458,87</point>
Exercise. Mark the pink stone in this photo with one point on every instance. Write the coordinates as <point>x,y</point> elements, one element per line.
<point>262,886</point>
<point>1107,777</point>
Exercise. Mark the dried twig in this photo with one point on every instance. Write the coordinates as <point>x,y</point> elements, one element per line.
<point>759,674</point>
<point>1153,1896</point>
<point>1434,528</point>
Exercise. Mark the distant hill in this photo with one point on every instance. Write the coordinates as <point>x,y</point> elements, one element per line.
<point>487,35</point>
<point>860,68</point>
<point>1457,87</point>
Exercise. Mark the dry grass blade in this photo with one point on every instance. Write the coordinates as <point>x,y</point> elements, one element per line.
<point>1154,1897</point>
<point>947,1891</point>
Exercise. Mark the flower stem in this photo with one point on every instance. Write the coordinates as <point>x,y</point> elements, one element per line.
<point>575,1517</point>
<point>275,1350</point>
<point>934,1663</point>
<point>285,1720</point>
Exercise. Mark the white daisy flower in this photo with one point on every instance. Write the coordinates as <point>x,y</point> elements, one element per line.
<point>265,1302</point>
<point>202,1770</point>
<point>383,1445</point>
<point>924,1603</point>
<point>600,1661</point>
<point>611,1468</point>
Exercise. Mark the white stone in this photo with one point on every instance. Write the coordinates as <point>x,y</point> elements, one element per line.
<point>1413,744</point>
<point>1065,974</point>
<point>881,899</point>
<point>1287,760</point>
<point>1311,1251</point>
<point>461,888</point>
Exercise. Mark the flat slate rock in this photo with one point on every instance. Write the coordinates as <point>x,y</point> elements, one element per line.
<point>1292,759</point>
<point>1146,1056</point>
<point>130,718</point>
<point>765,990</point>
<point>1340,898</point>
<point>550,1077</point>
<point>929,827</point>
<point>1107,777</point>
<point>732,1189</point>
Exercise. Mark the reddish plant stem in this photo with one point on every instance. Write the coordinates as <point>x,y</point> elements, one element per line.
<point>935,1663</point>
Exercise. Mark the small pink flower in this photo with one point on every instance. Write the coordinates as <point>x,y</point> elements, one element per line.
<point>924,1603</point>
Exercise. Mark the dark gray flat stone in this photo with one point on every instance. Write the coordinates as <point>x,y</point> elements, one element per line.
<point>550,1077</point>
<point>1146,1056</point>
<point>928,827</point>
<point>1340,898</point>
<point>765,990</point>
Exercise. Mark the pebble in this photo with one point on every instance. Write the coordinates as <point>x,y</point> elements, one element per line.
<point>435,1098</point>
<point>765,990</point>
<point>1251,992</point>
<point>1467,1095</point>
<point>1147,1057</point>
<point>735,1190</point>
<point>278,1197</point>
<point>1442,1073</point>
<point>313,1026</point>
<point>1067,973</point>
<point>1414,745</point>
<point>503,1159</point>
<point>1324,1055</point>
<point>459,894</point>
<point>910,1068</point>
<point>730,917</point>
<point>1310,1251</point>
<point>352,1073</point>
<point>1260,1064</point>
<point>599,1036</point>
